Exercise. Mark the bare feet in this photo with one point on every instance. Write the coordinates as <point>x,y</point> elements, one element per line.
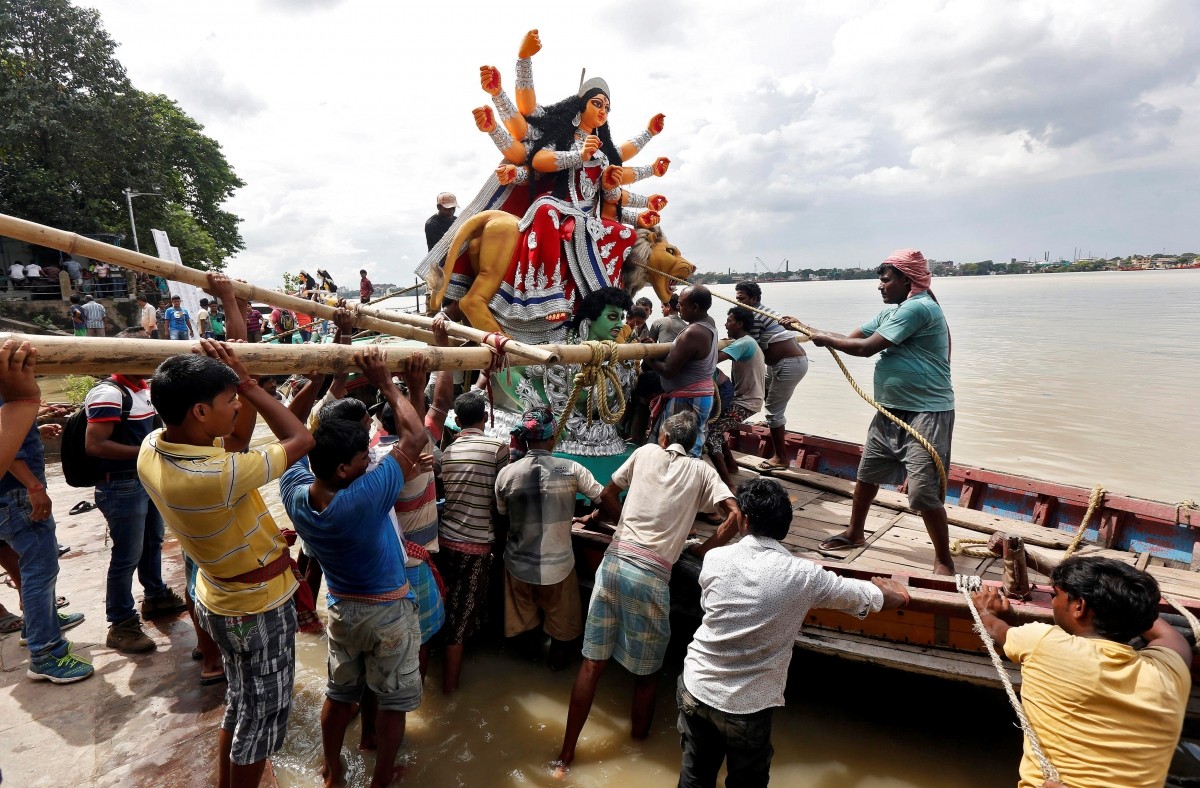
<point>332,777</point>
<point>944,569</point>
<point>397,776</point>
<point>368,744</point>
<point>562,765</point>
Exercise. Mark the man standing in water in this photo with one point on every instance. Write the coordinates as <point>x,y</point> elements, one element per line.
<point>912,380</point>
<point>754,594</point>
<point>629,615</point>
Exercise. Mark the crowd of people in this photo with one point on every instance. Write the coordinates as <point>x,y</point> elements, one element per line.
<point>360,478</point>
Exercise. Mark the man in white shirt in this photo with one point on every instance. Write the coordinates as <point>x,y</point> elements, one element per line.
<point>755,596</point>
<point>148,316</point>
<point>33,271</point>
<point>16,272</point>
<point>628,616</point>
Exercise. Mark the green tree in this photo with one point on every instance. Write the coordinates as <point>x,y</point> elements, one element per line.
<point>75,132</point>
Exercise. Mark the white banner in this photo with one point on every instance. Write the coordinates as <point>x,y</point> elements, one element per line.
<point>189,295</point>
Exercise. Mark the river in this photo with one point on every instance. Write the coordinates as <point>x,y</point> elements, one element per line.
<point>1079,378</point>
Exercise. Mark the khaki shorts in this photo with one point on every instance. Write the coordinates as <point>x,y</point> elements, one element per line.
<point>890,455</point>
<point>375,646</point>
<point>559,603</point>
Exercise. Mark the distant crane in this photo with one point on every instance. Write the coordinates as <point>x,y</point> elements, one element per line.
<point>783,264</point>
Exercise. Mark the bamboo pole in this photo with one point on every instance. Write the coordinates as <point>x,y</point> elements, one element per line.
<point>62,355</point>
<point>381,320</point>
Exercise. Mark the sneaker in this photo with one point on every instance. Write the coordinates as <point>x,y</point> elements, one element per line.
<point>166,604</point>
<point>128,638</point>
<point>66,669</point>
<point>65,621</point>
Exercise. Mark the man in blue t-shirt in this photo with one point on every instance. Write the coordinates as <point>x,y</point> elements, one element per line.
<point>179,321</point>
<point>912,380</point>
<point>341,513</point>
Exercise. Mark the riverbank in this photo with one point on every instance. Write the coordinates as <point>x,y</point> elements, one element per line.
<point>141,720</point>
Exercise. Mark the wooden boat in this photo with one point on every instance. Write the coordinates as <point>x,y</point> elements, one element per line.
<point>935,635</point>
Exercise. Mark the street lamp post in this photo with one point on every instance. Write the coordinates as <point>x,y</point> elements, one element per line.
<point>129,195</point>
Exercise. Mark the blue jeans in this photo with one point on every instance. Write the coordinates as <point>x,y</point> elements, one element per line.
<point>183,334</point>
<point>37,547</point>
<point>136,528</point>
<point>710,736</point>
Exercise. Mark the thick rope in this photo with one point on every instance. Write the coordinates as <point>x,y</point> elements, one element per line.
<point>1097,497</point>
<point>1186,503</point>
<point>494,342</point>
<point>1193,622</point>
<point>967,584</point>
<point>808,332</point>
<point>971,548</point>
<point>600,375</point>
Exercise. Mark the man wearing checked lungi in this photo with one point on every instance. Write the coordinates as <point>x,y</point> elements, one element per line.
<point>629,613</point>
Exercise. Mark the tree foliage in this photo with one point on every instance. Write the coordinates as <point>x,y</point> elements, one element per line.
<point>75,132</point>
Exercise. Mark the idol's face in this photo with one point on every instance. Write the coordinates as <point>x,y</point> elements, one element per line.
<point>608,324</point>
<point>595,112</point>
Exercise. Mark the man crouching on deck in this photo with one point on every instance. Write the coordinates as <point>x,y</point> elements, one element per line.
<point>341,513</point>
<point>755,596</point>
<point>1105,713</point>
<point>912,380</point>
<point>629,613</point>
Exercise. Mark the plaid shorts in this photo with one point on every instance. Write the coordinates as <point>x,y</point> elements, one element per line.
<point>466,576</point>
<point>715,442</point>
<point>629,617</point>
<point>429,600</point>
<point>260,663</point>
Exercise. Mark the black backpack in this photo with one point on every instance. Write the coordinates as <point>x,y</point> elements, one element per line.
<point>80,469</point>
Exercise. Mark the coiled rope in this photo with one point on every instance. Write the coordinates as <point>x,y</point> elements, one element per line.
<point>971,547</point>
<point>968,584</point>
<point>808,332</point>
<point>600,375</point>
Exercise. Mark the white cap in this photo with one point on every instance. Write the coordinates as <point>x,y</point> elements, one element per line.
<point>446,200</point>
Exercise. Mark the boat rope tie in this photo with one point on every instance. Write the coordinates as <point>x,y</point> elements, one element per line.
<point>1094,502</point>
<point>1186,503</point>
<point>599,375</point>
<point>971,547</point>
<point>968,584</point>
<point>494,342</point>
<point>808,332</point>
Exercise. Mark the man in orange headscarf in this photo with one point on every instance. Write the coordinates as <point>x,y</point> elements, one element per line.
<point>912,380</point>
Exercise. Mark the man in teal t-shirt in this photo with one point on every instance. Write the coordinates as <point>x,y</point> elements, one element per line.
<point>912,380</point>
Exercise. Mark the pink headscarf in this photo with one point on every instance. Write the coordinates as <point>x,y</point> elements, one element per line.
<point>912,264</point>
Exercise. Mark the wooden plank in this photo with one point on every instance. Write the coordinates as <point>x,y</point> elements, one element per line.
<point>967,518</point>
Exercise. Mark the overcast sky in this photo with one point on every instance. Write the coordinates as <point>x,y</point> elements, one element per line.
<point>827,133</point>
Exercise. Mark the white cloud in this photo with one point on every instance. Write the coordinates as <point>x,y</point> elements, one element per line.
<point>823,131</point>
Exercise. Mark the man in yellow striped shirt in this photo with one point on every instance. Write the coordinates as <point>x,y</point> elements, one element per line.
<point>204,480</point>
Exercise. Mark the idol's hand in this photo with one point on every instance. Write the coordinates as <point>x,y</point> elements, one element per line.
<point>484,120</point>
<point>530,45</point>
<point>655,126</point>
<point>660,166</point>
<point>506,174</point>
<point>611,179</point>
<point>648,219</point>
<point>489,80</point>
<point>656,202</point>
<point>590,146</point>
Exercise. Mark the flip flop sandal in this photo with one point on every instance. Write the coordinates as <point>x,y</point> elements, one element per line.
<point>11,623</point>
<point>839,542</point>
<point>63,550</point>
<point>61,601</point>
<point>197,654</point>
<point>81,507</point>
<point>765,465</point>
<point>216,678</point>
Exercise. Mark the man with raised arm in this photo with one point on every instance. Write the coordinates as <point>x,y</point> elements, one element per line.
<point>342,513</point>
<point>912,380</point>
<point>755,595</point>
<point>204,479</point>
<point>686,374</point>
<point>1104,712</point>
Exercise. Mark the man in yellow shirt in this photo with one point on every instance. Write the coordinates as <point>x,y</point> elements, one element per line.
<point>204,479</point>
<point>1105,713</point>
